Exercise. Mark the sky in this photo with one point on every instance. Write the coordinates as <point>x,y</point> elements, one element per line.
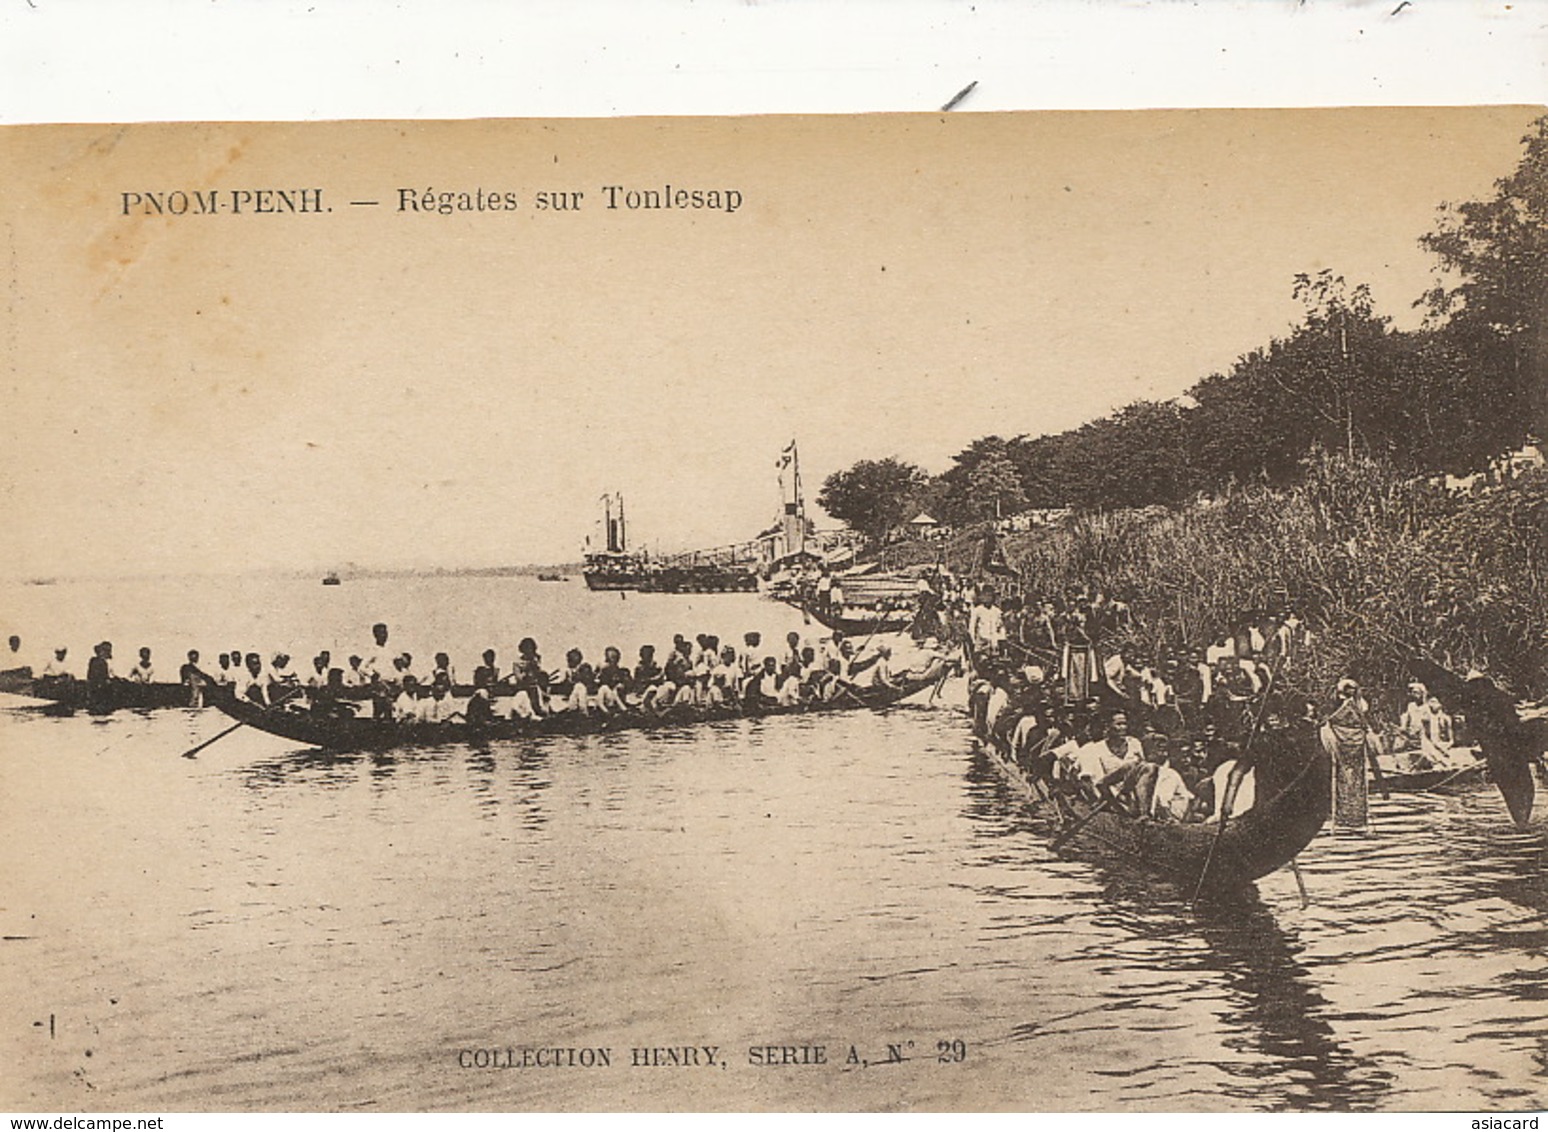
<point>383,387</point>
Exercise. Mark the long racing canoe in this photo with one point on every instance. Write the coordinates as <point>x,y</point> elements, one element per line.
<point>353,733</point>
<point>67,694</point>
<point>1294,789</point>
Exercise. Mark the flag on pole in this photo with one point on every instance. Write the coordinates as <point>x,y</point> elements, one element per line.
<point>786,457</point>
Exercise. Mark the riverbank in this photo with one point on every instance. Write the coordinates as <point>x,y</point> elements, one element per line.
<point>1379,565</point>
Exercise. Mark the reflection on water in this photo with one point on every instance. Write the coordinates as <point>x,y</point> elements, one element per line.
<point>273,928</point>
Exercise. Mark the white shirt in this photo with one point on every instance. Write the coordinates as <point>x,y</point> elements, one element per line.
<point>987,626</point>
<point>1096,760</point>
<point>378,662</point>
<point>246,682</point>
<point>1246,793</point>
<point>999,702</point>
<point>1172,796</point>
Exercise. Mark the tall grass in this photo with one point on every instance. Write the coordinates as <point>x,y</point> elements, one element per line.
<point>1379,566</point>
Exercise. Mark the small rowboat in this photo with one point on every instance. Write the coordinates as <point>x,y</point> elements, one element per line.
<point>1439,779</point>
<point>1294,802</point>
<point>336,733</point>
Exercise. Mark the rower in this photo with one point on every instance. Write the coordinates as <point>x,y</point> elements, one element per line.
<point>250,684</point>
<point>792,648</point>
<point>725,679</point>
<point>143,672</point>
<point>1033,727</point>
<point>442,668</point>
<point>57,668</point>
<point>763,693</point>
<point>572,684</point>
<point>490,668</point>
<point>355,675</point>
<point>529,681</point>
<point>677,688</point>
<point>407,708</point>
<point>612,682</point>
<point>479,711</point>
<point>880,669</point>
<point>648,678</point>
<point>193,679</point>
<point>751,660</point>
<point>1416,736</point>
<point>440,708</point>
<point>281,676</point>
<point>403,667</point>
<point>1111,760</point>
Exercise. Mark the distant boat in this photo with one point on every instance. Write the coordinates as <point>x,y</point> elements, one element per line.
<point>331,578</point>
<point>552,578</point>
<point>614,568</point>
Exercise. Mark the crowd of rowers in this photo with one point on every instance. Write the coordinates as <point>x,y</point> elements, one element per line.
<point>383,682</point>
<point>1065,691</point>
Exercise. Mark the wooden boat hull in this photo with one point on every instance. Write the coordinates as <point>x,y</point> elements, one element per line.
<point>1439,780</point>
<point>611,580</point>
<point>16,680</point>
<point>337,734</point>
<point>67,694</point>
<point>1252,845</point>
<point>859,625</point>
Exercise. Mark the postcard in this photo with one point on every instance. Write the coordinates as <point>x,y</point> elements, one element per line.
<point>1017,611</point>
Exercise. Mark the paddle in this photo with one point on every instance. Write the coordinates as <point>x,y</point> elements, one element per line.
<point>1233,781</point>
<point>1069,834</point>
<point>192,751</point>
<point>875,625</point>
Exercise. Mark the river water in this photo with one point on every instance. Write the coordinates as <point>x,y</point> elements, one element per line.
<point>270,928</point>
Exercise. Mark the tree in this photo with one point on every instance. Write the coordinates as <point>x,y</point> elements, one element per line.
<point>1491,300</point>
<point>1133,458</point>
<point>994,488</point>
<point>1037,462</point>
<point>957,503</point>
<point>873,496</point>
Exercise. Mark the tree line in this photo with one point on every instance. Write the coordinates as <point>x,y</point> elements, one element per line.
<point>1470,384</point>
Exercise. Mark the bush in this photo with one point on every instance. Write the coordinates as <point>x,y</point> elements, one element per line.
<point>1380,565</point>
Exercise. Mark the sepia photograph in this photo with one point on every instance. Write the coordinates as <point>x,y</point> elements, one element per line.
<point>1027,611</point>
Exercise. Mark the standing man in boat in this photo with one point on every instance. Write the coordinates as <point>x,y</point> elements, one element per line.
<point>99,676</point>
<point>986,624</point>
<point>825,590</point>
<point>193,679</point>
<point>377,661</point>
